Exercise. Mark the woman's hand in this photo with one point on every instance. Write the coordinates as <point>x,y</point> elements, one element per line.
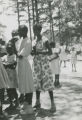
<point>47,45</point>
<point>20,56</point>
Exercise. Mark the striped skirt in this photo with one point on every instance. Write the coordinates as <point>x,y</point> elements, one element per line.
<point>4,79</point>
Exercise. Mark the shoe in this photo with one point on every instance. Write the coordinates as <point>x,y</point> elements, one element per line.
<point>28,110</point>
<point>53,107</point>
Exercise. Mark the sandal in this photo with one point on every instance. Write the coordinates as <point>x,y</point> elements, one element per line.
<point>37,105</point>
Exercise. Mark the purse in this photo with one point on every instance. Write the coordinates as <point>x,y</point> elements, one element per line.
<point>53,56</point>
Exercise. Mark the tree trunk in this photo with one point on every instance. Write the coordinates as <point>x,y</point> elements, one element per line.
<point>33,11</point>
<point>18,12</point>
<point>51,22</point>
<point>29,21</point>
<point>59,26</point>
<point>36,10</point>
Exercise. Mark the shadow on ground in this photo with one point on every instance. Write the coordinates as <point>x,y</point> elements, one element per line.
<point>68,101</point>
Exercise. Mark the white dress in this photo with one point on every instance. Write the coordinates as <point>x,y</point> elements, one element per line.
<point>63,54</point>
<point>24,68</point>
<point>55,63</point>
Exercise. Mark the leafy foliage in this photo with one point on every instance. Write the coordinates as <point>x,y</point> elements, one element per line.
<point>62,17</point>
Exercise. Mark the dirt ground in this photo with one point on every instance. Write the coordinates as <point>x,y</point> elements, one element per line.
<point>68,100</point>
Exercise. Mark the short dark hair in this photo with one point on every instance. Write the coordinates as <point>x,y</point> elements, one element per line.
<point>52,44</point>
<point>10,46</point>
<point>37,26</point>
<point>23,28</point>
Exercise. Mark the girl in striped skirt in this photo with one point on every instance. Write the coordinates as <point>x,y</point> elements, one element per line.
<point>4,83</point>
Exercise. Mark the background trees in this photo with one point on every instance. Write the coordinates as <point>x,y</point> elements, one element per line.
<point>61,19</point>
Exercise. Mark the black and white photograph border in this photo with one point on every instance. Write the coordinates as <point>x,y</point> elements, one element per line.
<point>40,59</point>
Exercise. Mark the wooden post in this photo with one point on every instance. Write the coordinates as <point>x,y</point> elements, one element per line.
<point>18,12</point>
<point>36,9</point>
<point>29,21</point>
<point>59,25</point>
<point>51,21</point>
<point>33,11</point>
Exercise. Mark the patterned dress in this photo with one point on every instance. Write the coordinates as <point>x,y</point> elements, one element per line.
<point>73,57</point>
<point>43,79</point>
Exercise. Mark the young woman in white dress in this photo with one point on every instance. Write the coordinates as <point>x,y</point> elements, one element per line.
<point>25,78</point>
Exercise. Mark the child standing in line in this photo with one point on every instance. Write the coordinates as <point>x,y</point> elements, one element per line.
<point>55,63</point>
<point>10,66</point>
<point>73,59</point>
<point>63,54</point>
<point>4,83</point>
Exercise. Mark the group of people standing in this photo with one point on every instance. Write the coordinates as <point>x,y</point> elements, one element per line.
<point>16,72</point>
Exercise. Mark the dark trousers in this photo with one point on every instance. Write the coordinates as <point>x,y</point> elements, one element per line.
<point>57,79</point>
<point>28,98</point>
<point>1,99</point>
<point>12,94</point>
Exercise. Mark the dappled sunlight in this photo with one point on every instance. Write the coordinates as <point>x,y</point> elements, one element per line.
<point>61,22</point>
<point>68,100</point>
